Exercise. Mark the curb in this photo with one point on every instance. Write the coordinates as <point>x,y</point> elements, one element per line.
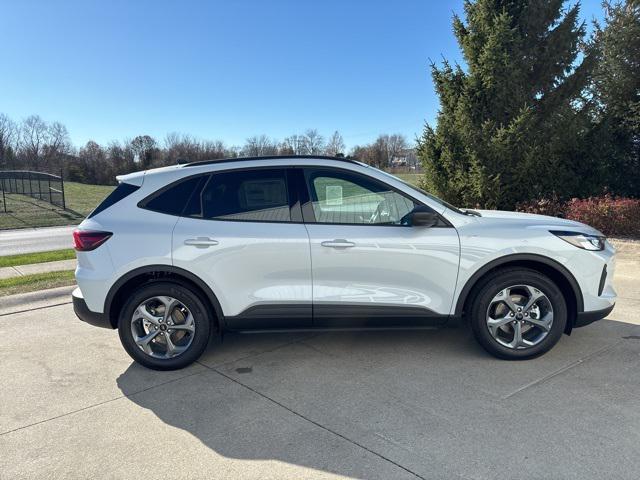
<point>42,298</point>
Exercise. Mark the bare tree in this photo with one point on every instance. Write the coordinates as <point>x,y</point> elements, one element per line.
<point>57,144</point>
<point>144,147</point>
<point>259,145</point>
<point>33,136</point>
<point>335,146</point>
<point>178,146</point>
<point>93,159</point>
<point>42,145</point>
<point>313,142</point>
<point>293,145</point>
<point>186,147</point>
<point>214,149</point>
<point>121,157</point>
<point>383,151</point>
<point>8,139</point>
<point>396,147</point>
<point>233,151</point>
<point>372,154</point>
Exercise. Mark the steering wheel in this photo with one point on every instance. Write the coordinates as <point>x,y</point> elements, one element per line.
<point>382,213</point>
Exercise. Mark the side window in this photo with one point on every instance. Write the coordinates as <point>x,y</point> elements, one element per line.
<point>173,200</point>
<point>250,196</point>
<point>342,197</point>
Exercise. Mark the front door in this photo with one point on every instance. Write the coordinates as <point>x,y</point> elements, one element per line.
<point>237,234</point>
<point>368,268</point>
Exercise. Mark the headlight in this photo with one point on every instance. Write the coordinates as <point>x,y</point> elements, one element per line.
<point>582,240</point>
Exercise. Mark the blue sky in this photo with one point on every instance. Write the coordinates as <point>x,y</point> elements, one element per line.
<point>226,69</point>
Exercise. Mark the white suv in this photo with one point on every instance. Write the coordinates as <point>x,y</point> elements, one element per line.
<point>177,254</point>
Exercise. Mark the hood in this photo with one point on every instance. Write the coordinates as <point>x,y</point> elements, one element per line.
<point>533,220</point>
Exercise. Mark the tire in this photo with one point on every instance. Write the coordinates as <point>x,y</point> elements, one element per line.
<point>538,334</point>
<point>186,311</point>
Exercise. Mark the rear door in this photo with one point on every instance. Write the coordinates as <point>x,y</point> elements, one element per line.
<point>368,268</point>
<point>242,233</point>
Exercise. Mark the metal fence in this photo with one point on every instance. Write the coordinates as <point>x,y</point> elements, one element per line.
<point>39,185</point>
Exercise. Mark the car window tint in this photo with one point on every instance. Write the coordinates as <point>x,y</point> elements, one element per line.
<point>251,196</point>
<point>123,190</point>
<point>174,199</point>
<point>340,197</point>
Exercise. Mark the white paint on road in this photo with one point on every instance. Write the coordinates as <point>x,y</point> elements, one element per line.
<point>28,240</point>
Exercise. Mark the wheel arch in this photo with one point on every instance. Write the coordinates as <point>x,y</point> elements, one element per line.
<point>559,274</point>
<point>116,297</point>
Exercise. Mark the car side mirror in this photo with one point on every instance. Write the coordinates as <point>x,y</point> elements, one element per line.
<point>421,216</point>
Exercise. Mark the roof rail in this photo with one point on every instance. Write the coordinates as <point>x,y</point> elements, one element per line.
<point>268,157</point>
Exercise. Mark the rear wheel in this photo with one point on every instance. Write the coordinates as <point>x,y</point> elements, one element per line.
<point>164,326</point>
<point>518,314</point>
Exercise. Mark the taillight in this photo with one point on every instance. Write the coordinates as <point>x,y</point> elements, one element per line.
<point>87,240</point>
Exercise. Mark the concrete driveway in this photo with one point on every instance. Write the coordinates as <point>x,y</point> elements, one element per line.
<point>428,404</point>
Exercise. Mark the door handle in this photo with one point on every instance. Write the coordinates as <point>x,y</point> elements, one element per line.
<point>338,243</point>
<point>201,242</point>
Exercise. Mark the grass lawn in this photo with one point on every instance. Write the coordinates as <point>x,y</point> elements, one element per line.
<point>39,257</point>
<point>412,178</point>
<point>39,281</point>
<point>84,198</point>
<point>24,211</point>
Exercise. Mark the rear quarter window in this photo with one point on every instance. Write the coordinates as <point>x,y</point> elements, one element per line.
<point>173,199</point>
<point>123,190</point>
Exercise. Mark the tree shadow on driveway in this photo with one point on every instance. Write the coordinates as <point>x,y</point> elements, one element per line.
<point>391,404</point>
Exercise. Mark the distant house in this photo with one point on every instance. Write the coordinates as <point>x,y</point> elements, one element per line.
<point>407,159</point>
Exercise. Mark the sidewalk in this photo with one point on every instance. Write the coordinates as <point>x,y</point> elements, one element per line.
<point>22,270</point>
<point>21,302</point>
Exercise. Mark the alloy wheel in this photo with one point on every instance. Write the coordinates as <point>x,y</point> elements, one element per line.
<point>519,317</point>
<point>162,327</point>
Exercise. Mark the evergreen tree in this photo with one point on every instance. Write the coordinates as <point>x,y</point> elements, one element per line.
<point>511,123</point>
<point>616,91</point>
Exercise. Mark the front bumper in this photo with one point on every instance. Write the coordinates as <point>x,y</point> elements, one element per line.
<point>83,313</point>
<point>586,318</point>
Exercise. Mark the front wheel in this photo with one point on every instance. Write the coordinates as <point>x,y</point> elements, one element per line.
<point>518,314</point>
<point>164,326</point>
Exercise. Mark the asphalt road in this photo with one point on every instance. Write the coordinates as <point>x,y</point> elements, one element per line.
<point>428,404</point>
<point>29,240</point>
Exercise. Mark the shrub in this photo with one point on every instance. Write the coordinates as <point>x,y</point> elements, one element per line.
<point>544,206</point>
<point>612,216</point>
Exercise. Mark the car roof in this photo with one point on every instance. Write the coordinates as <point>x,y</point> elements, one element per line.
<point>136,178</point>
<point>270,157</point>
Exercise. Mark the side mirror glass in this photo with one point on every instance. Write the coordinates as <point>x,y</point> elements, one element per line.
<point>421,216</point>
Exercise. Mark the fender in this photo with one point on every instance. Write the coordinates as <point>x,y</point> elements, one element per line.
<point>163,269</point>
<point>520,257</point>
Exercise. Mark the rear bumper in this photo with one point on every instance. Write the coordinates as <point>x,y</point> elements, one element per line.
<point>585,318</point>
<point>83,313</point>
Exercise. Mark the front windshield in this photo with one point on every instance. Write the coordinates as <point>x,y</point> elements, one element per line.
<point>423,192</point>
